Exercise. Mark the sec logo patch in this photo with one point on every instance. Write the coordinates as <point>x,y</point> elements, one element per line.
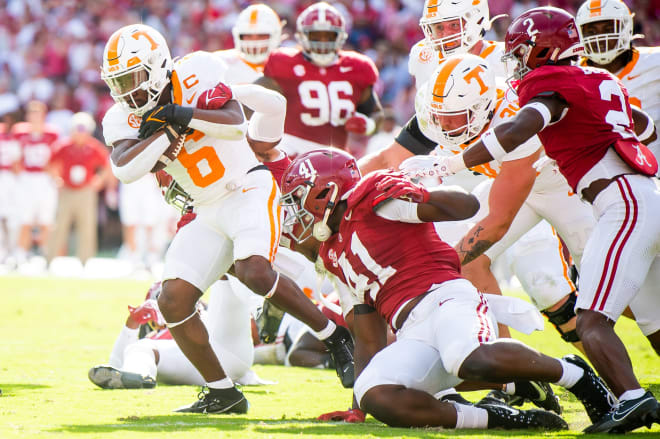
<point>134,121</point>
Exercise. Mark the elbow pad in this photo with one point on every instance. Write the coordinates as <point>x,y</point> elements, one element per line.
<point>141,164</point>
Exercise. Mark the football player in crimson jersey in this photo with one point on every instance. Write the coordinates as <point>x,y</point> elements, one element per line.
<point>10,164</point>
<point>158,101</point>
<point>606,28</point>
<point>378,238</point>
<point>585,122</point>
<point>329,91</point>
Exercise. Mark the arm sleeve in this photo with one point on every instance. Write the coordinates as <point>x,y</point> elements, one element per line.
<point>267,123</point>
<point>398,210</point>
<point>141,164</point>
<point>412,138</point>
<point>220,130</point>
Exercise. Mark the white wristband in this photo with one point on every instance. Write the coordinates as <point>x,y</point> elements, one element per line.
<point>456,163</point>
<point>543,110</point>
<point>489,139</point>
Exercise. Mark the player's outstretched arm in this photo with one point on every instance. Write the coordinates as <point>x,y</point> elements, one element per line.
<point>645,129</point>
<point>131,158</point>
<point>507,136</point>
<point>370,332</point>
<point>448,204</point>
<point>390,157</point>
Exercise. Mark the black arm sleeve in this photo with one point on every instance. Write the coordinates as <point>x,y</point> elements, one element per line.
<point>370,105</point>
<point>411,138</point>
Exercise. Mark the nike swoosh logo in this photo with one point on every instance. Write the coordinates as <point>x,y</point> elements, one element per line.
<point>345,69</point>
<point>615,418</point>
<point>248,189</point>
<point>191,98</point>
<point>152,118</point>
<point>631,77</point>
<point>442,302</point>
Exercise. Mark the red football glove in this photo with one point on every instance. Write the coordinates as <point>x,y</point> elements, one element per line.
<point>350,415</point>
<point>185,219</point>
<point>147,312</point>
<point>360,124</point>
<point>214,98</point>
<point>402,188</point>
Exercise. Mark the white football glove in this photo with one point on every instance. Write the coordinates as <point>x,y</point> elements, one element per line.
<point>421,166</point>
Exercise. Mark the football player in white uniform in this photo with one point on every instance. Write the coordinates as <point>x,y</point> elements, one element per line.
<point>450,28</point>
<point>257,32</point>
<point>182,110</point>
<point>461,101</point>
<point>606,29</point>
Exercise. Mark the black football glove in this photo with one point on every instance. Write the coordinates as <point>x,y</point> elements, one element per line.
<point>176,116</point>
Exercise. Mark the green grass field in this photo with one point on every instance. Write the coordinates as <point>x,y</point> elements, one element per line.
<point>53,330</point>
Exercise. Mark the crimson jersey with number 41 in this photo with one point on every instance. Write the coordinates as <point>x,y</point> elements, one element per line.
<point>320,99</point>
<point>383,262</point>
<point>598,115</point>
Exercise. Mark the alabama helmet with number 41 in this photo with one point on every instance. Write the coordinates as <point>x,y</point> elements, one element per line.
<point>311,187</point>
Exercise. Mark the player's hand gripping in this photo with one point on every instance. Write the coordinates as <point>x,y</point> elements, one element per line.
<point>421,166</point>
<point>174,118</point>
<point>400,186</point>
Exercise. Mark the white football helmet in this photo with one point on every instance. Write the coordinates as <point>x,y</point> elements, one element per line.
<point>603,48</point>
<point>257,19</point>
<point>458,100</point>
<point>136,57</point>
<point>474,22</point>
<point>321,17</point>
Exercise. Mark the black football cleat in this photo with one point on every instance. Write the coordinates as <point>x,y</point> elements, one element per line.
<point>591,390</point>
<point>538,393</point>
<point>629,415</point>
<point>108,377</point>
<point>216,401</point>
<point>455,398</point>
<point>509,418</point>
<point>340,346</point>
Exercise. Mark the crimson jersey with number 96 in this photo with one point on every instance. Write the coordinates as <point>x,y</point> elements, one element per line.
<point>598,115</point>
<point>320,99</point>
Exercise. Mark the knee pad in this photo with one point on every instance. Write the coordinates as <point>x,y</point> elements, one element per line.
<point>562,315</point>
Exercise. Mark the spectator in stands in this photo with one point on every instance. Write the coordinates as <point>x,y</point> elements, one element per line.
<point>81,169</point>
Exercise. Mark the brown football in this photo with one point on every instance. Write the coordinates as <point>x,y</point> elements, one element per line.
<point>170,153</point>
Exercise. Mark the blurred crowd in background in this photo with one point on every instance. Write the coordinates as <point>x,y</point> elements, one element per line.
<point>50,52</point>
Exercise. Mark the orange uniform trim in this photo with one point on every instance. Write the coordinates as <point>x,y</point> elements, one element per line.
<point>564,263</point>
<point>274,223</point>
<point>487,51</point>
<point>631,65</point>
<point>176,88</point>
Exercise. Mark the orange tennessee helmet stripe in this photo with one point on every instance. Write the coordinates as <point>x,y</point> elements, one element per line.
<point>595,7</point>
<point>253,17</point>
<point>432,7</point>
<point>113,56</point>
<point>441,80</point>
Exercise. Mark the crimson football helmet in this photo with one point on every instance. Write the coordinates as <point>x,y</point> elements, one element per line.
<point>321,17</point>
<point>311,186</point>
<point>541,36</point>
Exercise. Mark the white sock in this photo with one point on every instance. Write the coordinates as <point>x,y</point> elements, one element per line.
<point>126,337</point>
<point>632,394</point>
<point>140,358</point>
<point>225,383</point>
<point>571,374</point>
<point>442,393</point>
<point>468,416</point>
<point>510,389</point>
<point>327,331</point>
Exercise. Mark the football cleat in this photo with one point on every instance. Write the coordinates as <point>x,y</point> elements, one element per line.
<point>508,418</point>
<point>456,398</point>
<point>629,415</point>
<point>108,377</point>
<point>538,393</point>
<point>269,321</point>
<point>217,401</point>
<point>340,346</point>
<point>592,391</point>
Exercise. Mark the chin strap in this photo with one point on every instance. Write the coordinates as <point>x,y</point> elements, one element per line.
<point>320,230</point>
